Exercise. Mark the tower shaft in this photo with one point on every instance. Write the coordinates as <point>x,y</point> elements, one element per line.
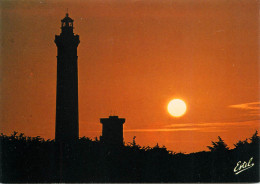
<point>67,126</point>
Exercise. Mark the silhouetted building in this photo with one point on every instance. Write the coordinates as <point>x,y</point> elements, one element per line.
<point>112,130</point>
<point>67,126</point>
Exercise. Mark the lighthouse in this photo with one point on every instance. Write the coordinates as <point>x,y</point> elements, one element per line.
<point>67,123</point>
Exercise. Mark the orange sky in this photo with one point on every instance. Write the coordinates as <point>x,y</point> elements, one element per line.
<point>134,57</point>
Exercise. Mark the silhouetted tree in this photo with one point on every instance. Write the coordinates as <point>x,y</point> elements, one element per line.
<point>156,146</point>
<point>241,144</point>
<point>32,159</point>
<point>255,138</point>
<point>134,143</point>
<point>218,146</point>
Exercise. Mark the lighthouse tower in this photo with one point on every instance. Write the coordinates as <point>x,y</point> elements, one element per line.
<point>67,125</point>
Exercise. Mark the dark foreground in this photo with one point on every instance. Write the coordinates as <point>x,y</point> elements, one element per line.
<point>26,159</point>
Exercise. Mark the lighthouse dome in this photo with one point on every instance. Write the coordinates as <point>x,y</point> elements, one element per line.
<point>67,21</point>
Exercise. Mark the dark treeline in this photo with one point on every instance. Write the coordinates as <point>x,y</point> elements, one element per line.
<point>33,159</point>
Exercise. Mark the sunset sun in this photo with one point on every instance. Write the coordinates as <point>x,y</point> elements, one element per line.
<point>177,107</point>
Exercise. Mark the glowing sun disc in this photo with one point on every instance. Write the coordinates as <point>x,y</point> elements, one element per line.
<point>177,107</point>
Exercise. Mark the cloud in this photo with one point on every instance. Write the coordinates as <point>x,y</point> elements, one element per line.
<point>201,127</point>
<point>161,130</point>
<point>247,106</point>
<point>212,124</point>
<point>251,109</point>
